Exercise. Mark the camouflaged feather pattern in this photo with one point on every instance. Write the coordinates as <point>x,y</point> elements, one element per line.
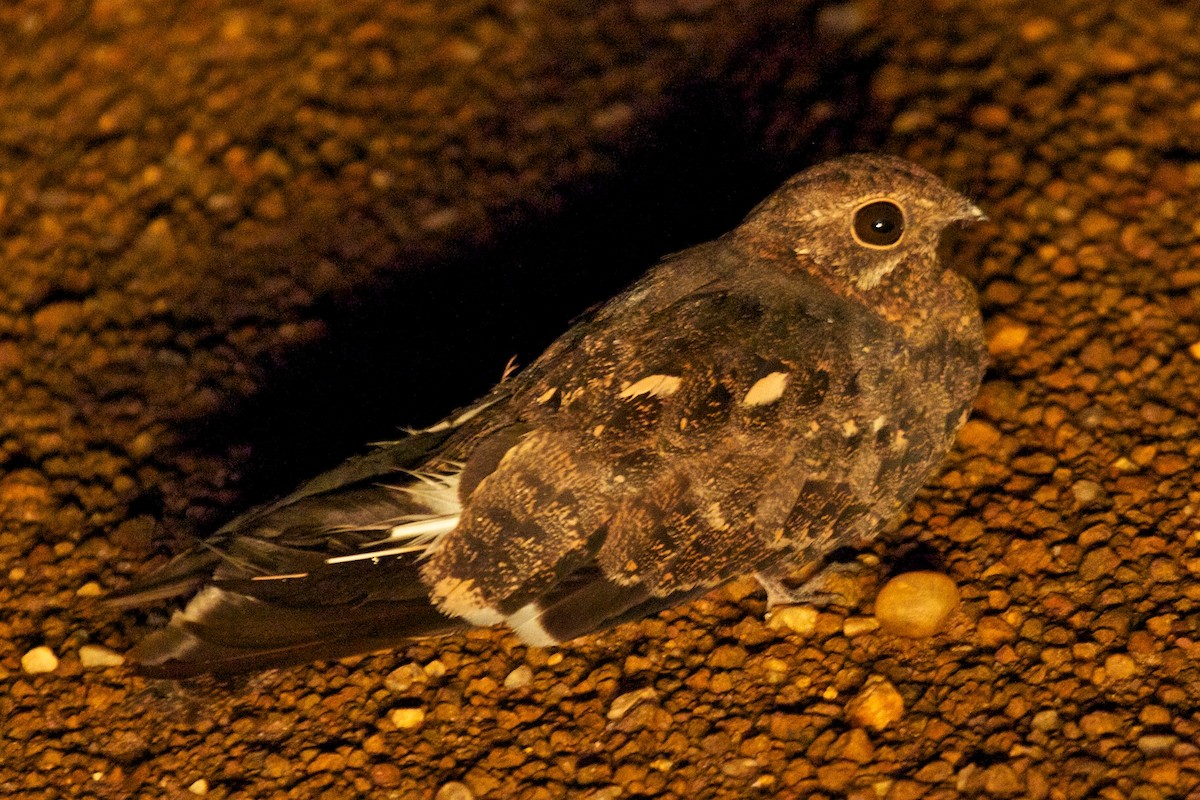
<point>748,406</point>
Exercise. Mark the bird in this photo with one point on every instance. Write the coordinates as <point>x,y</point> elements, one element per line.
<point>747,407</point>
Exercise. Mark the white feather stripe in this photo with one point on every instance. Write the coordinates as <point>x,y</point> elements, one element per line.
<point>203,603</point>
<point>435,492</point>
<point>421,537</point>
<point>653,385</point>
<point>432,526</point>
<point>526,622</point>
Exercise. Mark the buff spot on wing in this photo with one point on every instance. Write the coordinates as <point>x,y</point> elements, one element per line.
<point>652,385</point>
<point>547,396</point>
<point>460,598</point>
<point>766,390</point>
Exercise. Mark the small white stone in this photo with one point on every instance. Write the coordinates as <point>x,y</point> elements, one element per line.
<point>857,626</point>
<point>89,589</point>
<point>797,619</point>
<point>407,718</point>
<point>519,678</point>
<point>623,704</point>
<point>39,660</point>
<point>199,787</point>
<point>454,791</point>
<point>877,706</point>
<point>93,656</point>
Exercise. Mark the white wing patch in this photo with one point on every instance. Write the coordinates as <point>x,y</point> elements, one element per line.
<point>437,492</point>
<point>454,422</point>
<point>526,622</point>
<point>653,385</point>
<point>766,390</point>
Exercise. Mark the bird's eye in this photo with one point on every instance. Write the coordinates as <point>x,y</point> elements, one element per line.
<point>878,224</point>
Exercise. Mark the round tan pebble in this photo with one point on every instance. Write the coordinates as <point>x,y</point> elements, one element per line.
<point>916,604</point>
<point>454,791</point>
<point>199,787</point>
<point>519,678</point>
<point>93,656</point>
<point>1037,29</point>
<point>407,718</point>
<point>858,626</point>
<point>797,619</point>
<point>1046,721</point>
<point>386,775</point>
<point>1006,336</point>
<point>1119,159</point>
<point>1119,666</point>
<point>991,117</point>
<point>877,705</point>
<point>1157,743</point>
<point>39,660</point>
<point>978,434</point>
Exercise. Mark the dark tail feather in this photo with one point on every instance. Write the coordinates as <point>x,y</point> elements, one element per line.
<point>182,575</point>
<point>324,611</point>
<point>177,652</point>
<point>224,631</point>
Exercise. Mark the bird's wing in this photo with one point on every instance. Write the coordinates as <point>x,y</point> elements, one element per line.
<point>656,439</point>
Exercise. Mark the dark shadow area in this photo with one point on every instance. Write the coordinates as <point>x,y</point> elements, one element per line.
<point>421,342</point>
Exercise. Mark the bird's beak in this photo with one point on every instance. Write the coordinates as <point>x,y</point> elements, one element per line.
<point>970,212</point>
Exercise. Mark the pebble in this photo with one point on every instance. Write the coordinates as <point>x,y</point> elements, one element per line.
<point>916,604</point>
<point>39,660</point>
<point>994,631</point>
<point>857,626</point>
<point>1157,743</point>
<point>978,435</point>
<point>877,706</point>
<point>407,718</point>
<point>1119,666</point>
<point>1100,723</point>
<point>797,619</point>
<point>199,787</point>
<point>93,656</point>
<point>454,791</point>
<point>1006,336</point>
<point>1086,492</point>
<point>386,775</point>
<point>402,678</point>
<point>519,678</point>
<point>624,703</point>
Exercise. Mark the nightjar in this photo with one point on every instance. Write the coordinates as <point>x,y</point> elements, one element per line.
<point>748,406</point>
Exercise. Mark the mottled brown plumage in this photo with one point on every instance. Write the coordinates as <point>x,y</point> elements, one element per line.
<point>748,406</point>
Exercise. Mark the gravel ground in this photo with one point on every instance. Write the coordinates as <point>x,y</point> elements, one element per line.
<point>240,239</point>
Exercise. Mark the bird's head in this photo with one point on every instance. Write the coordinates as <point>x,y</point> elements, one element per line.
<point>860,219</point>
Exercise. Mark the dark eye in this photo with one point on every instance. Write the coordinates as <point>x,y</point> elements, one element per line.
<point>879,224</point>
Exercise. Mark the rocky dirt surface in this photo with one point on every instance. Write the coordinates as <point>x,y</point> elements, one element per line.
<point>240,239</point>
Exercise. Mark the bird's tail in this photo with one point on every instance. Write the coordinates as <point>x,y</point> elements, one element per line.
<point>329,571</point>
